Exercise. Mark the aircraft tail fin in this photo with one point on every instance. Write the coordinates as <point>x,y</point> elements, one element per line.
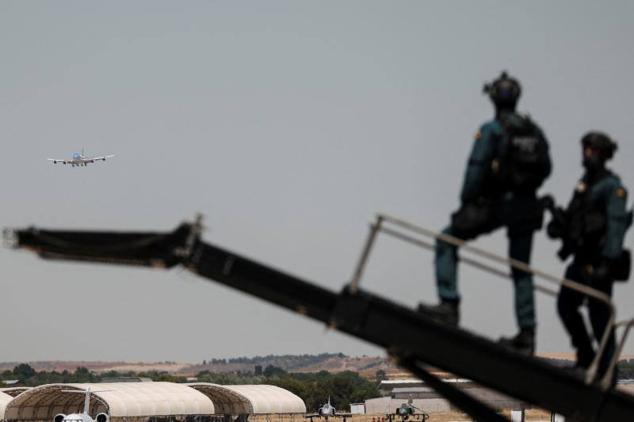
<point>87,400</point>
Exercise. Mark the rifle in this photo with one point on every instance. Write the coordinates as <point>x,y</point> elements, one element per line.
<point>558,227</point>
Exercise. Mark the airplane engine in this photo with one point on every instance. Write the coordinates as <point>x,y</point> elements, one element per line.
<point>102,417</point>
<point>59,417</point>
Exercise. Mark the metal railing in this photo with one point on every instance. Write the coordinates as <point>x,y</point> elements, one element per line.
<point>382,223</point>
<point>627,324</point>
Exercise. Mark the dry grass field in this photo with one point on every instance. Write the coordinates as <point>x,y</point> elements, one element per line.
<point>532,415</point>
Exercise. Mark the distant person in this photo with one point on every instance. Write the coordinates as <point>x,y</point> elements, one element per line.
<point>592,229</point>
<point>508,163</point>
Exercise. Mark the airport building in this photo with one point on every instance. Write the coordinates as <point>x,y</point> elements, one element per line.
<point>428,400</point>
<point>155,402</point>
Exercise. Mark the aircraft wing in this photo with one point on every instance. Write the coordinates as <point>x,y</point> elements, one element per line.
<point>102,158</point>
<point>58,160</point>
<point>312,415</point>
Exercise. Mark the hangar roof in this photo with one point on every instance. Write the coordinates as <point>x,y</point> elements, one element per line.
<point>117,399</point>
<point>14,391</point>
<point>225,401</point>
<point>252,399</point>
<point>4,400</point>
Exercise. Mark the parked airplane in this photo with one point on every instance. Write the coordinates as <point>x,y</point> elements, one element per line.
<point>405,410</point>
<point>84,416</point>
<point>326,411</point>
<point>79,159</point>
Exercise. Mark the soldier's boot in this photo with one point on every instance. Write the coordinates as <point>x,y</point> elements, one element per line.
<point>523,342</point>
<point>447,311</point>
<point>585,356</point>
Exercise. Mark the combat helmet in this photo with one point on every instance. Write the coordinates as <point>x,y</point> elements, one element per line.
<point>600,142</point>
<point>504,91</point>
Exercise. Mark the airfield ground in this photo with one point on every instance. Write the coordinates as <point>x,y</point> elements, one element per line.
<point>532,415</point>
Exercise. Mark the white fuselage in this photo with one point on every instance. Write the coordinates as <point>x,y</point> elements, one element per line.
<point>327,410</point>
<point>77,417</point>
<point>78,160</point>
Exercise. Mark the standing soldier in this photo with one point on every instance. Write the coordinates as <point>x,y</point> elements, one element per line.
<point>508,163</point>
<point>592,229</point>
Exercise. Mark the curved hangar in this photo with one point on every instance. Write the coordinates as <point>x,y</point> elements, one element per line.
<point>4,401</point>
<point>124,401</point>
<point>251,399</point>
<point>14,391</point>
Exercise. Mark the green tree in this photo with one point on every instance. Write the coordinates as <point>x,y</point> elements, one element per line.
<point>82,374</point>
<point>273,371</point>
<point>24,372</point>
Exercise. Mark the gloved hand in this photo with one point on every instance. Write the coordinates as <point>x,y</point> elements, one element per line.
<point>556,228</point>
<point>553,230</point>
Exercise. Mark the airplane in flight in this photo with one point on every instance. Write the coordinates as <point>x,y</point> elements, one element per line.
<point>326,411</point>
<point>84,416</point>
<point>79,159</point>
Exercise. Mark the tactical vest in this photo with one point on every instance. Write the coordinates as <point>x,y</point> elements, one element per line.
<point>587,222</point>
<point>583,229</point>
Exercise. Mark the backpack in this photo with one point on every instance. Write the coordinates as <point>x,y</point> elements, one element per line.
<point>522,160</point>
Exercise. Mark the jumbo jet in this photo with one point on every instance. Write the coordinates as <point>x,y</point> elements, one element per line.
<point>84,416</point>
<point>79,159</point>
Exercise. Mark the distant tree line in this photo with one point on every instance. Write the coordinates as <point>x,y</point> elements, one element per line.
<point>28,376</point>
<point>283,361</point>
<point>314,388</point>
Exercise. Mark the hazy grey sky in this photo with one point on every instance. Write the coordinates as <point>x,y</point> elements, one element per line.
<point>288,124</point>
